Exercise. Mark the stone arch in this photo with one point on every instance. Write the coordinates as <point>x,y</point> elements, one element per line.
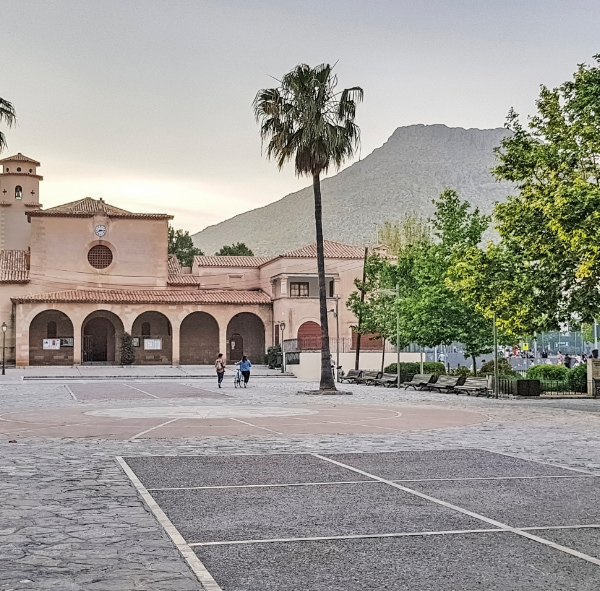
<point>101,333</point>
<point>161,337</point>
<point>246,336</point>
<point>38,332</point>
<point>309,336</point>
<point>198,339</point>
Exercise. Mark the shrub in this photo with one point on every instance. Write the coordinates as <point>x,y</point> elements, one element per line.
<point>557,373</point>
<point>271,358</point>
<point>461,370</point>
<point>126,349</point>
<point>504,368</point>
<point>577,378</point>
<point>410,368</point>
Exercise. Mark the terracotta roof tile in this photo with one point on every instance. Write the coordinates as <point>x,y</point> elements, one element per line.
<point>173,265</point>
<point>230,261</point>
<point>88,207</point>
<point>20,158</point>
<point>111,296</point>
<point>13,266</point>
<point>183,279</point>
<point>332,250</point>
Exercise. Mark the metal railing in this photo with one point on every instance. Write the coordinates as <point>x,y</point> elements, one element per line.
<point>346,345</point>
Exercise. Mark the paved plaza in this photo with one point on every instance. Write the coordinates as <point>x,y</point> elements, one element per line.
<point>165,482</point>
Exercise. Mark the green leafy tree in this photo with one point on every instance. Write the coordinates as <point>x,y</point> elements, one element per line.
<point>545,270</point>
<point>305,119</point>
<point>9,117</point>
<point>182,246</point>
<point>237,250</point>
<point>127,353</point>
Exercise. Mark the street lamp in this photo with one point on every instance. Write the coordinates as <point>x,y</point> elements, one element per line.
<point>337,334</point>
<point>4,327</point>
<point>282,327</point>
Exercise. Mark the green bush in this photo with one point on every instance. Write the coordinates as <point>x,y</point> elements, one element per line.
<point>409,369</point>
<point>461,370</point>
<point>557,373</point>
<point>271,357</point>
<point>126,351</point>
<point>577,378</point>
<point>504,368</point>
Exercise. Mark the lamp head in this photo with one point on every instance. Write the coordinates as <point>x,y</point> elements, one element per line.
<point>4,327</point>
<point>282,326</point>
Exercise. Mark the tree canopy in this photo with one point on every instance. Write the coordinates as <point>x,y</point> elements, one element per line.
<point>239,250</point>
<point>9,117</point>
<point>545,270</point>
<point>181,245</point>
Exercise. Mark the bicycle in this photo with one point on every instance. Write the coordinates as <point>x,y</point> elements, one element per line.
<point>237,378</point>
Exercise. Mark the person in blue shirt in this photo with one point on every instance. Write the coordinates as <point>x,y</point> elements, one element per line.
<point>245,366</point>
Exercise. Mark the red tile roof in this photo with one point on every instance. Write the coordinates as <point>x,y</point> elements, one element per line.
<point>173,264</point>
<point>183,279</point>
<point>20,158</point>
<point>88,207</point>
<point>332,250</point>
<point>230,261</point>
<point>112,296</point>
<point>13,266</point>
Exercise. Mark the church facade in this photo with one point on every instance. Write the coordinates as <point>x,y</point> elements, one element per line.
<point>75,278</point>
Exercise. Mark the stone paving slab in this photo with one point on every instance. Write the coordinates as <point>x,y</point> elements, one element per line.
<point>455,463</point>
<point>524,503</point>
<point>491,562</point>
<point>235,470</point>
<point>209,515</point>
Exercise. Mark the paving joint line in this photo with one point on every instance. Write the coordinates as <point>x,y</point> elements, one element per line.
<point>478,516</point>
<point>195,564</point>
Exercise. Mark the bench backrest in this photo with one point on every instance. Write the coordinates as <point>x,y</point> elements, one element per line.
<point>389,376</point>
<point>422,378</point>
<point>353,373</point>
<point>476,382</point>
<point>448,380</point>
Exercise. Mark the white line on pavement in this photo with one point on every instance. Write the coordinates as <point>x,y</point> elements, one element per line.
<point>70,392</point>
<point>348,537</point>
<point>142,391</point>
<point>152,429</point>
<point>193,561</point>
<point>266,485</point>
<point>467,512</point>
<point>255,426</point>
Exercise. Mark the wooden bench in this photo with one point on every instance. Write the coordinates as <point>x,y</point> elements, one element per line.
<point>351,376</point>
<point>446,383</point>
<point>418,381</point>
<point>479,386</point>
<point>387,380</point>
<point>367,377</point>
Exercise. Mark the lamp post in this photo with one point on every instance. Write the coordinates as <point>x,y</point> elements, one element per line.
<point>337,333</point>
<point>282,327</point>
<point>4,327</point>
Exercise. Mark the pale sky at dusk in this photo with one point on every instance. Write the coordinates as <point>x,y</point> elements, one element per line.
<point>147,103</point>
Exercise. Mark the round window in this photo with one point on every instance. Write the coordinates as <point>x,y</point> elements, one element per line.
<point>18,169</point>
<point>100,256</point>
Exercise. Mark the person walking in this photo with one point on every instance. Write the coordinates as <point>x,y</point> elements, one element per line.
<point>245,366</point>
<point>220,367</point>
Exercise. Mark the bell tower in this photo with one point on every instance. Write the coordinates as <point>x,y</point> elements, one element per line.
<point>19,193</point>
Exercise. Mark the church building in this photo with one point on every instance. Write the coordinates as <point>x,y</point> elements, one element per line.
<point>74,278</point>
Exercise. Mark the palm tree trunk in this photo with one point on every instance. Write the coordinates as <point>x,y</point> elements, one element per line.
<point>327,382</point>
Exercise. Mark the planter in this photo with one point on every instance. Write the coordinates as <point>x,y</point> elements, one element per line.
<point>526,388</point>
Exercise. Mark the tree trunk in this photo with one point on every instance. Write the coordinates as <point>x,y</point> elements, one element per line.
<point>382,354</point>
<point>362,299</point>
<point>327,382</point>
<point>474,365</point>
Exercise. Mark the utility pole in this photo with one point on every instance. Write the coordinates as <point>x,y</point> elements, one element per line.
<point>362,301</point>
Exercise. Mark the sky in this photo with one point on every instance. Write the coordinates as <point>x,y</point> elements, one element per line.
<point>148,103</point>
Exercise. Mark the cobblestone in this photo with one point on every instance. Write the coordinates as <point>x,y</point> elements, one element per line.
<point>70,519</point>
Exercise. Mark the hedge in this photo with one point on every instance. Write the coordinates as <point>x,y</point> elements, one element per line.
<point>409,369</point>
<point>557,373</point>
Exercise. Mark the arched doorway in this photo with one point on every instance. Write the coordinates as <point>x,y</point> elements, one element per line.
<point>246,336</point>
<point>309,337</point>
<point>198,339</point>
<point>155,339</point>
<point>101,334</point>
<point>51,339</point>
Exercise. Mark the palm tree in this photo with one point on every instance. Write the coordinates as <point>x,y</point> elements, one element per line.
<point>7,113</point>
<point>306,120</point>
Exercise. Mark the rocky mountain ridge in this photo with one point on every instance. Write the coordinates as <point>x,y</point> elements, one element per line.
<point>404,175</point>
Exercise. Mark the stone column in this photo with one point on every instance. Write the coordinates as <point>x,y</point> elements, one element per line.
<point>77,340</point>
<point>175,331</point>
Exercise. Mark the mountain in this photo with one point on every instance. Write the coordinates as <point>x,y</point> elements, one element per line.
<point>413,167</point>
